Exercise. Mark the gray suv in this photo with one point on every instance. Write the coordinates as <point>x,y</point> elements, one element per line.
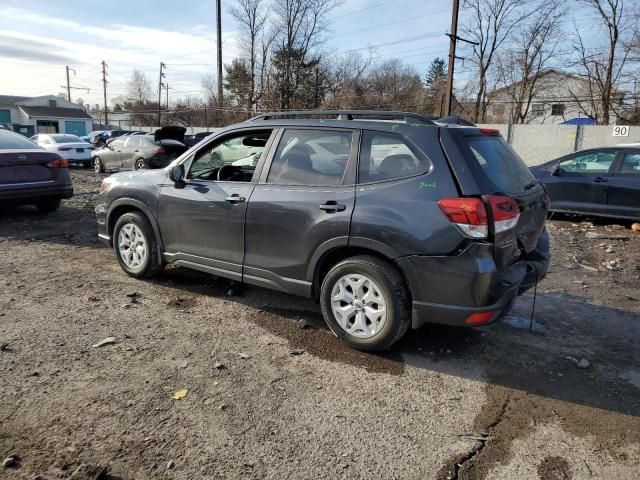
<point>387,219</point>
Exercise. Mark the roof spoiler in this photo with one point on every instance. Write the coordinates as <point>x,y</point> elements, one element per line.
<point>455,120</point>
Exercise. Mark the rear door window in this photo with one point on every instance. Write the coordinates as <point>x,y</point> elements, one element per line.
<point>502,167</point>
<point>631,164</point>
<point>311,157</point>
<point>387,156</point>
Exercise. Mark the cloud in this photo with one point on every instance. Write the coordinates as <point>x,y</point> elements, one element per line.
<point>21,53</point>
<point>36,56</point>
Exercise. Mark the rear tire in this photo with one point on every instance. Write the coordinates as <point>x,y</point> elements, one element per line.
<point>98,166</point>
<point>48,205</point>
<point>366,303</point>
<point>135,246</point>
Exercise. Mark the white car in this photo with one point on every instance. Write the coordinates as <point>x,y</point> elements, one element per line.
<point>70,147</point>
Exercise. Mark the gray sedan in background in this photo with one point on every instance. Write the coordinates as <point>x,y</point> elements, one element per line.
<point>137,152</point>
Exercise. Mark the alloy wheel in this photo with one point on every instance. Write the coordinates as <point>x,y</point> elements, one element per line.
<point>358,305</point>
<point>132,246</point>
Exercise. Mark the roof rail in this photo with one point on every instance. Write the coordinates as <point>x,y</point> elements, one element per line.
<point>368,115</point>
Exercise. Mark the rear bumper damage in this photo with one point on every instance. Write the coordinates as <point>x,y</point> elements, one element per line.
<point>467,289</point>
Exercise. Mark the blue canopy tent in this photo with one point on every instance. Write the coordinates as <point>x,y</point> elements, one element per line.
<point>578,121</point>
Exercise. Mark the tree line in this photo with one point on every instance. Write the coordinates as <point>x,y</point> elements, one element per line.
<point>284,64</point>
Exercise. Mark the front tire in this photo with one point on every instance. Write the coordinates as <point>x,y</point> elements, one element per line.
<point>365,302</point>
<point>135,245</point>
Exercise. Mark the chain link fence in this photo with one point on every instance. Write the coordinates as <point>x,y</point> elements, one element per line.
<point>537,144</point>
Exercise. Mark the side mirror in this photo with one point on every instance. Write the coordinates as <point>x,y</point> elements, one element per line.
<point>176,175</point>
<point>556,171</point>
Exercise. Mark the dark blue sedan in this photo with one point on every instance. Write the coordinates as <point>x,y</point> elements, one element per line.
<point>599,181</point>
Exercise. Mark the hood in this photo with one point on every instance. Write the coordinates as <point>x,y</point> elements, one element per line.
<point>170,133</point>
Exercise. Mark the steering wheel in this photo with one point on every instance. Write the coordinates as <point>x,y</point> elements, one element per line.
<point>229,172</point>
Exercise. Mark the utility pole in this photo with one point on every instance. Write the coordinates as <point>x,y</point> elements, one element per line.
<point>167,96</point>
<point>160,85</point>
<point>68,82</point>
<point>219,48</point>
<point>453,38</point>
<point>206,123</point>
<point>104,89</point>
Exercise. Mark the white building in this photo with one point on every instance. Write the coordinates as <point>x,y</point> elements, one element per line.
<point>559,97</point>
<point>46,114</point>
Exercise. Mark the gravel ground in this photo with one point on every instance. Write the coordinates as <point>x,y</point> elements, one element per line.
<point>268,399</point>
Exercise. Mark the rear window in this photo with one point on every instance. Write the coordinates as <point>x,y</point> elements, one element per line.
<point>66,139</point>
<point>504,169</point>
<point>10,140</point>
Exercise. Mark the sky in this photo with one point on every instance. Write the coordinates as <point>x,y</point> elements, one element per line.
<point>39,38</point>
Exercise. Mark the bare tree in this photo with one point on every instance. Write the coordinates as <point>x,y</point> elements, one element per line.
<point>490,24</point>
<point>530,55</point>
<point>138,88</point>
<point>603,69</point>
<point>252,18</point>
<point>209,87</point>
<point>300,25</point>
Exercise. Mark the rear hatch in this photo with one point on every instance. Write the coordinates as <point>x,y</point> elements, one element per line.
<point>26,166</point>
<point>484,165</point>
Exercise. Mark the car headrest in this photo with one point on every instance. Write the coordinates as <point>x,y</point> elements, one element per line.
<point>298,157</point>
<point>393,164</point>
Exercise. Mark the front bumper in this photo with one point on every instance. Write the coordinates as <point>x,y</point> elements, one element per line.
<point>450,289</point>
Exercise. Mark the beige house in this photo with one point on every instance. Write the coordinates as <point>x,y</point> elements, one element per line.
<point>559,96</point>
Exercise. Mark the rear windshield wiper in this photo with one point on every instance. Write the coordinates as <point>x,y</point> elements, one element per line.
<point>531,184</point>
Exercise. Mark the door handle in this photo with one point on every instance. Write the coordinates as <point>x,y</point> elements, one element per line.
<point>600,180</point>
<point>332,206</point>
<point>235,198</point>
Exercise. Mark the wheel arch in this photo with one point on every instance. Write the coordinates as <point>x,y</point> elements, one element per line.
<point>334,255</point>
<point>128,205</point>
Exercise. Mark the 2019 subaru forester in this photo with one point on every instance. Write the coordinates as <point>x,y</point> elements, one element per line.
<point>388,219</point>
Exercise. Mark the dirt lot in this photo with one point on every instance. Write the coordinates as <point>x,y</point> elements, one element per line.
<point>267,399</point>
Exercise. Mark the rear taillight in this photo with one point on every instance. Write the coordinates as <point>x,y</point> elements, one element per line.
<point>159,150</point>
<point>504,212</point>
<point>64,149</point>
<point>479,318</point>
<point>59,163</point>
<point>469,214</point>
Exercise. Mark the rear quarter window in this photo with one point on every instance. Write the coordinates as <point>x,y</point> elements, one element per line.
<point>502,167</point>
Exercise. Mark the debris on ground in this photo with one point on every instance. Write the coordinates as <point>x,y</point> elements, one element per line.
<point>605,236</point>
<point>170,464</point>
<point>12,461</point>
<point>296,351</point>
<point>583,363</point>
<point>635,227</point>
<point>303,323</point>
<point>180,394</point>
<point>244,356</point>
<point>105,341</point>
<point>219,366</point>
